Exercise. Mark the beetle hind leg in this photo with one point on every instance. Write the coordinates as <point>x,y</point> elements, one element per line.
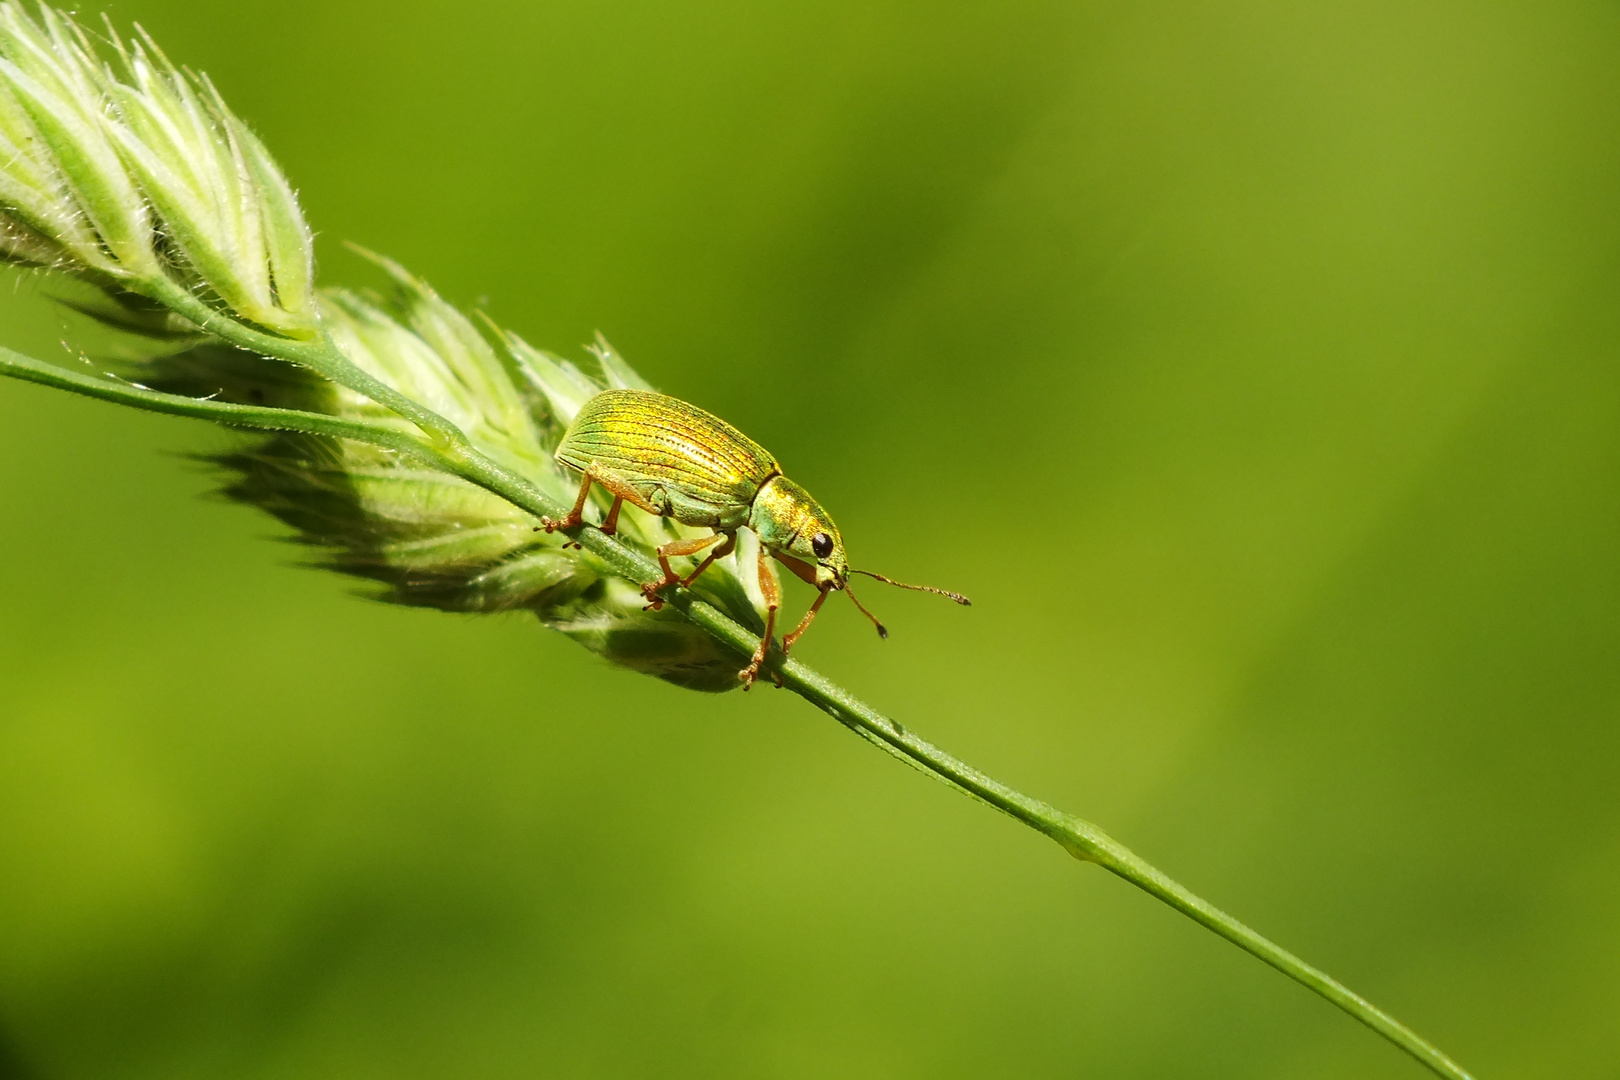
<point>576,516</point>
<point>615,485</point>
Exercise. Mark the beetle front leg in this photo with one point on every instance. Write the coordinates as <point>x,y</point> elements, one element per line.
<point>804,623</point>
<point>773,600</point>
<point>684,547</point>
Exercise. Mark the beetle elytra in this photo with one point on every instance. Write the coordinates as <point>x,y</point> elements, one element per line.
<point>676,460</point>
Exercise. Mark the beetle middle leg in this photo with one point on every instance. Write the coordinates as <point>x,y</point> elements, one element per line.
<point>685,547</point>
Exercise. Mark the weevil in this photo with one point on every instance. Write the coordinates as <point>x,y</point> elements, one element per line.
<point>675,460</point>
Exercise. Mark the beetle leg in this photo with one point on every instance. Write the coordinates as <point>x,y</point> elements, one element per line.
<point>616,486</point>
<point>575,516</point>
<point>683,547</point>
<point>610,524</point>
<point>773,600</point>
<point>804,623</point>
<point>718,553</point>
<point>801,569</point>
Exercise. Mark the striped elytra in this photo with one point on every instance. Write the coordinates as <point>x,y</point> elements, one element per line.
<point>686,462</point>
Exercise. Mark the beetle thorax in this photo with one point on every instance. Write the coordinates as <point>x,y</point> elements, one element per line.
<point>787,519</point>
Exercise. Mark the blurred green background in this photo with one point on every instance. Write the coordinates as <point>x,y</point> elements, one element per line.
<point>1252,365</point>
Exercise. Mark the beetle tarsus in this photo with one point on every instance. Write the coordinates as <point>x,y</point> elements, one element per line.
<point>550,525</point>
<point>750,674</point>
<point>651,591</point>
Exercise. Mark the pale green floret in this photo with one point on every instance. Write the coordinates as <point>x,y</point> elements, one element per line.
<point>21,244</point>
<point>56,112</point>
<point>556,388</point>
<point>137,176</point>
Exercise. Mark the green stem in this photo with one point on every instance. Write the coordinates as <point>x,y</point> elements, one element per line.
<point>320,355</point>
<point>454,453</point>
<point>255,417</point>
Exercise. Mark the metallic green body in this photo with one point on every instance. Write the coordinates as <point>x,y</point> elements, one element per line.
<point>688,464</point>
<point>684,463</point>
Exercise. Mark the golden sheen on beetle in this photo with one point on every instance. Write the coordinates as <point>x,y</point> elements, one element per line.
<point>676,460</point>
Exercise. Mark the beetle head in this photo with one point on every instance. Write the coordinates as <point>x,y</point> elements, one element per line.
<point>792,524</point>
<point>787,520</point>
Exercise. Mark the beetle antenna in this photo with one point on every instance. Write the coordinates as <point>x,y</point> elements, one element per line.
<point>958,597</point>
<point>883,631</point>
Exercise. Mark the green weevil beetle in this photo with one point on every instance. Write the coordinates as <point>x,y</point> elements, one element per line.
<point>676,460</point>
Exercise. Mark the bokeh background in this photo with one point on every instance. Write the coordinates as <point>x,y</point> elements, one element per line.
<point>1252,365</point>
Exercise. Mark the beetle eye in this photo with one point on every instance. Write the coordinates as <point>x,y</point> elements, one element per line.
<point>822,545</point>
